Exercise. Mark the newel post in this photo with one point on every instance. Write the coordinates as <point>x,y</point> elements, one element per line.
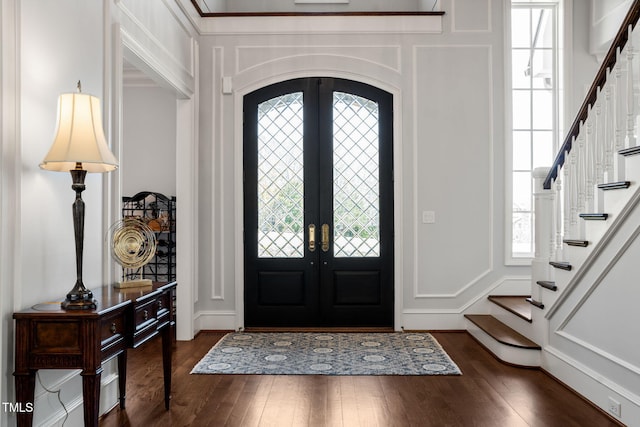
<point>544,230</point>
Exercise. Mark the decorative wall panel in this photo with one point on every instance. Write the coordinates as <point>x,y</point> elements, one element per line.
<point>454,129</point>
<point>470,16</point>
<point>254,56</point>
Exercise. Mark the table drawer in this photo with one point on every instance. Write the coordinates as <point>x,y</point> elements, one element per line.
<point>112,334</point>
<point>164,303</point>
<point>146,322</point>
<point>145,314</point>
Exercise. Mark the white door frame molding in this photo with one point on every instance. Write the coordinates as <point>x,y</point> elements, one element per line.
<point>375,79</point>
<point>186,169</point>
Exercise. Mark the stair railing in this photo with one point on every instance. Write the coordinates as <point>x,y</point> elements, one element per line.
<point>604,125</point>
<point>610,61</point>
<point>591,154</point>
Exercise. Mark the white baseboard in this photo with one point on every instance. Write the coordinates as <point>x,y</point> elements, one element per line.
<point>431,320</point>
<point>592,385</point>
<point>215,320</point>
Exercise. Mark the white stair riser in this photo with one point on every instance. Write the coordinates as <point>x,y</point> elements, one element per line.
<point>513,321</point>
<point>506,353</point>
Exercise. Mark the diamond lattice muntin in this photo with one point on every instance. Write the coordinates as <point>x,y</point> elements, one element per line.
<point>356,193</point>
<point>281,177</point>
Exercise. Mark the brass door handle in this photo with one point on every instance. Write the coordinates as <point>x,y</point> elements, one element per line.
<point>312,237</point>
<point>325,237</point>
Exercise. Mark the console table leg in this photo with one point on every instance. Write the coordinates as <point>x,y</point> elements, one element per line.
<point>166,363</point>
<point>91,397</point>
<point>25,389</point>
<point>122,377</point>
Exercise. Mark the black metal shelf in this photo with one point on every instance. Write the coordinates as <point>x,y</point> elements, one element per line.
<point>159,213</point>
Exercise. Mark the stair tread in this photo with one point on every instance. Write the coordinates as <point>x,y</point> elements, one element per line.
<point>536,303</point>
<point>561,265</point>
<point>575,242</point>
<point>620,185</point>
<point>501,332</point>
<point>632,151</point>
<point>548,284</point>
<point>594,216</point>
<point>516,304</point>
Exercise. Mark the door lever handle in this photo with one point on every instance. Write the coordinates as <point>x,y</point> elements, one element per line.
<point>325,237</point>
<point>312,237</point>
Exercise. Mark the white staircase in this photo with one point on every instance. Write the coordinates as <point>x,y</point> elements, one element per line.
<point>587,222</point>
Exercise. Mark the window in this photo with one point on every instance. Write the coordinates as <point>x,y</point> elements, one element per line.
<point>535,107</point>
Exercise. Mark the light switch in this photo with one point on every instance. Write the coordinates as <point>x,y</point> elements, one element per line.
<point>428,217</point>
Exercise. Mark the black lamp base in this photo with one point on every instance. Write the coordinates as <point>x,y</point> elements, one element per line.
<point>78,304</point>
<point>79,299</point>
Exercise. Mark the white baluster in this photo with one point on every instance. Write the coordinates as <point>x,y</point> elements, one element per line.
<point>589,162</point>
<point>573,191</point>
<point>599,149</point>
<point>634,94</point>
<point>620,90</point>
<point>579,151</point>
<point>566,197</point>
<point>631,114</point>
<point>599,140</point>
<point>609,129</point>
<point>559,208</point>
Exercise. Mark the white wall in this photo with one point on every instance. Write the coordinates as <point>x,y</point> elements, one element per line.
<point>446,143</point>
<point>584,63</point>
<point>9,192</point>
<point>56,50</point>
<point>46,48</point>
<point>48,251</point>
<point>149,141</point>
<point>606,17</point>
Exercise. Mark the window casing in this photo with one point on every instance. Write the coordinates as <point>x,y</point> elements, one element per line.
<point>535,106</point>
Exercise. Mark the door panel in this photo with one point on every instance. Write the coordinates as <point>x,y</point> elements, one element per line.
<point>318,205</point>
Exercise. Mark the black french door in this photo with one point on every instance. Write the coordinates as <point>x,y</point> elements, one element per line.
<point>318,204</point>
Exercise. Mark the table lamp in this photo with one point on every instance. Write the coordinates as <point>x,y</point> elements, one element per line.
<point>79,147</point>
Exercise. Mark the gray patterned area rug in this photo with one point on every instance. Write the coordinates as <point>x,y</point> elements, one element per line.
<point>308,353</point>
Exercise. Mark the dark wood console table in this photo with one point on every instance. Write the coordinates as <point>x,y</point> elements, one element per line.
<point>48,337</point>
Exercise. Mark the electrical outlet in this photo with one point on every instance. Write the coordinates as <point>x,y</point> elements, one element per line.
<point>428,217</point>
<point>615,407</point>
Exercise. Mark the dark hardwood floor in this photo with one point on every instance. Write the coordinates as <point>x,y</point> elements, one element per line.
<point>488,393</point>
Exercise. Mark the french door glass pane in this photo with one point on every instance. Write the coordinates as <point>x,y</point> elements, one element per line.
<point>281,177</point>
<point>356,192</point>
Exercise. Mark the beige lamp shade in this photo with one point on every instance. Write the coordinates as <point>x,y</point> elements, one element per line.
<point>79,137</point>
